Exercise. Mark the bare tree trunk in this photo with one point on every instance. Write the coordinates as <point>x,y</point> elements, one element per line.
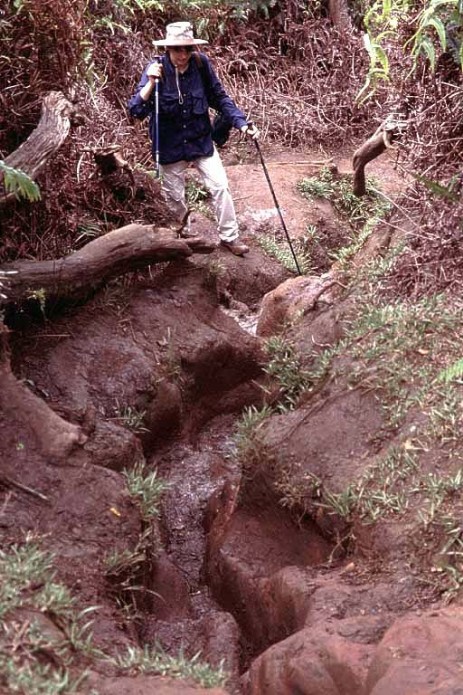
<point>339,15</point>
<point>75,276</point>
<point>51,132</point>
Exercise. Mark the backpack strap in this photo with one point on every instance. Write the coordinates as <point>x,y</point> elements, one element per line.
<point>201,63</point>
<point>221,126</point>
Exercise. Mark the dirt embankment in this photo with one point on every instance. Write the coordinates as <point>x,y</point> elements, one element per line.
<point>156,370</point>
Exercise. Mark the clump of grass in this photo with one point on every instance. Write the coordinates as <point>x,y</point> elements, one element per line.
<point>31,660</point>
<point>128,573</point>
<point>130,417</point>
<point>280,249</point>
<point>338,190</point>
<point>155,660</point>
<point>361,214</point>
<point>449,560</point>
<point>382,489</point>
<point>146,489</point>
<point>197,197</point>
<point>246,439</point>
<point>399,349</point>
<point>284,365</point>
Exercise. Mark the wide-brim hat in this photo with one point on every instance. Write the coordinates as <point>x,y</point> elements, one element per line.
<point>179,34</point>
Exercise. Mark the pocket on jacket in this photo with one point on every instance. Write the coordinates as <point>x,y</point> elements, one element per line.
<point>199,104</point>
<point>169,106</point>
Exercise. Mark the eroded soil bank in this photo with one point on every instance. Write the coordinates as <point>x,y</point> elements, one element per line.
<point>157,371</point>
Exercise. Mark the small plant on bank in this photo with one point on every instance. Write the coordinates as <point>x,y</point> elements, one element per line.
<point>33,660</point>
<point>128,573</point>
<point>249,448</point>
<point>285,367</point>
<point>449,562</point>
<point>197,197</point>
<point>118,562</point>
<point>114,296</point>
<point>131,418</point>
<point>362,214</point>
<point>279,249</point>
<point>146,489</point>
<point>156,661</point>
<point>246,439</point>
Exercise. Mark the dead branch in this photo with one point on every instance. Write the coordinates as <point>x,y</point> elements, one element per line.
<point>381,140</point>
<point>73,277</point>
<point>51,132</point>
<point>372,148</point>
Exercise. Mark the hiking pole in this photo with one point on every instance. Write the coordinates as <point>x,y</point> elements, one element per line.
<point>157,59</point>
<point>276,204</point>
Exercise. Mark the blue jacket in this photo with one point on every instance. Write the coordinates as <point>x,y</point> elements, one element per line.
<point>184,123</point>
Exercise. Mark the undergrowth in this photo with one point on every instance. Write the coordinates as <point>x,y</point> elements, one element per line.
<point>155,661</point>
<point>287,255</point>
<point>46,643</point>
<point>43,636</point>
<point>359,215</point>
<point>409,355</point>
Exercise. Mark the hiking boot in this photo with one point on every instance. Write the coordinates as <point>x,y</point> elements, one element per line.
<point>235,246</point>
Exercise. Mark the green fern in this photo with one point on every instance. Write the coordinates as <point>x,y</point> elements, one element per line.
<point>436,20</point>
<point>437,28</point>
<point>20,184</point>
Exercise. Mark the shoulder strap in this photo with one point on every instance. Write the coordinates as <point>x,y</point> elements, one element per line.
<point>200,62</point>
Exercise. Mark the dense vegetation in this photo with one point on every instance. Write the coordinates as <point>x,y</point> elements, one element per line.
<point>306,72</point>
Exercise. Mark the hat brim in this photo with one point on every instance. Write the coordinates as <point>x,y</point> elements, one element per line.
<point>179,42</point>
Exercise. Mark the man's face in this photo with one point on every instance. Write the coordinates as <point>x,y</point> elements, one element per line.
<point>180,56</point>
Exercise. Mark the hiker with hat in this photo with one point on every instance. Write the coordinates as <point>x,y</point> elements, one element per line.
<point>176,91</point>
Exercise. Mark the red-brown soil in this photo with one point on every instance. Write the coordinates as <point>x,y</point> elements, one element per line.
<point>231,572</point>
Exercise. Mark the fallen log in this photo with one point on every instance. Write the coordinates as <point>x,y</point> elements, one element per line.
<point>52,130</point>
<point>76,276</point>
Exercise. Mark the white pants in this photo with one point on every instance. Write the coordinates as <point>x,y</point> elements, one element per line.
<point>215,179</point>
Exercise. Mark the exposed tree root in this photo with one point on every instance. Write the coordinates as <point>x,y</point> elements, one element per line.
<point>55,438</point>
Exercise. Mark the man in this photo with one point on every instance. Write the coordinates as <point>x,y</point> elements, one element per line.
<point>188,86</point>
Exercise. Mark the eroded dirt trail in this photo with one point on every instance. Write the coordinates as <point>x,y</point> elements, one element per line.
<point>260,586</point>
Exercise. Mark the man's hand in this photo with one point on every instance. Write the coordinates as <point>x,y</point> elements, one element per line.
<point>251,131</point>
<point>154,71</point>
